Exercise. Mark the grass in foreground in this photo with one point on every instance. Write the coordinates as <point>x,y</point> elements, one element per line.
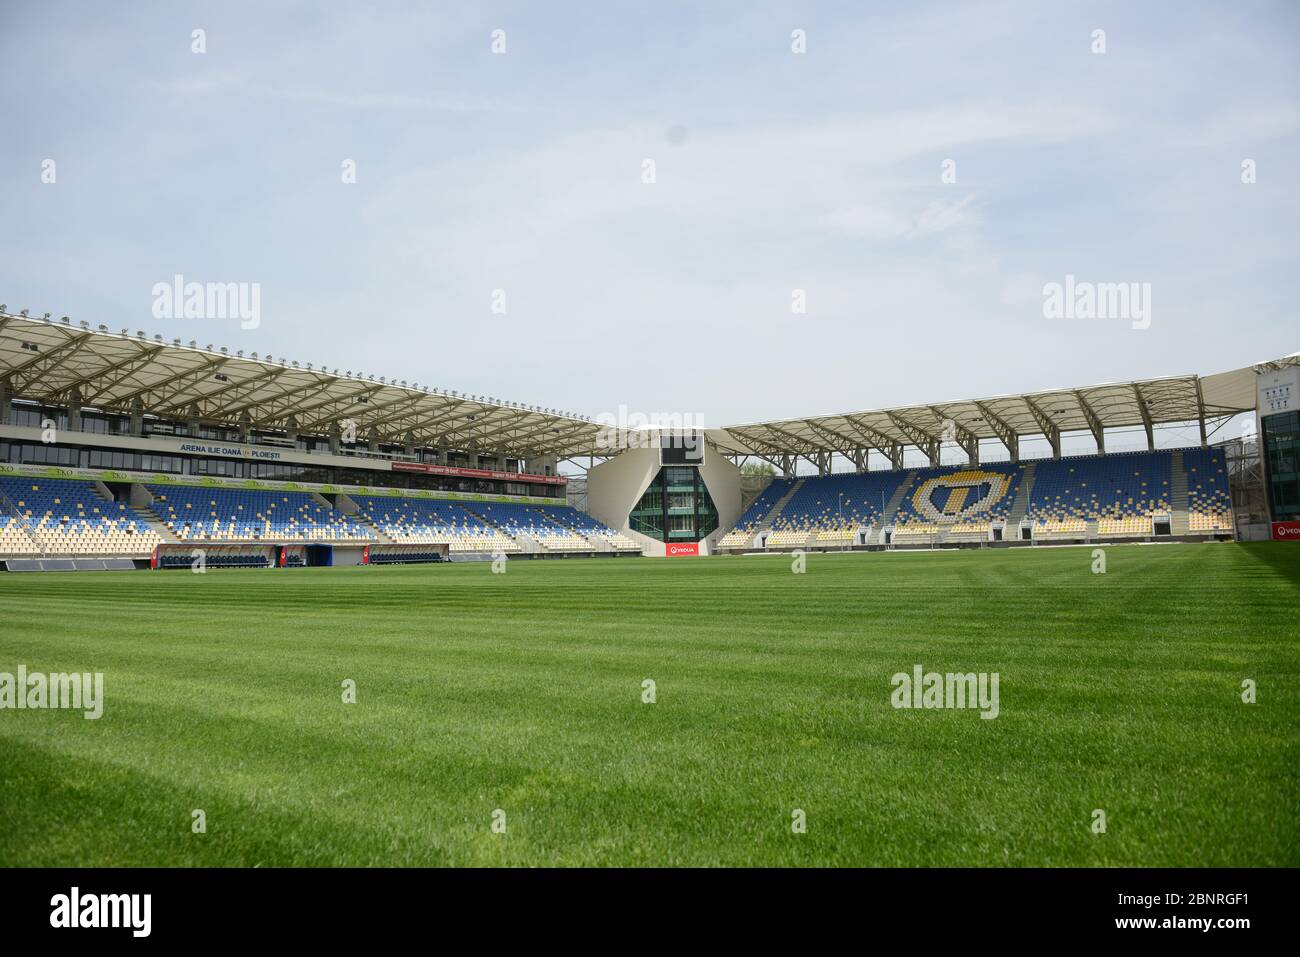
<point>523,692</point>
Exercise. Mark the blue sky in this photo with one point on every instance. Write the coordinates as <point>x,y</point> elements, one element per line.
<point>774,172</point>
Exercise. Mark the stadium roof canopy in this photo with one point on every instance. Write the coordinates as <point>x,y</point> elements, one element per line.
<point>46,360</point>
<point>1146,403</point>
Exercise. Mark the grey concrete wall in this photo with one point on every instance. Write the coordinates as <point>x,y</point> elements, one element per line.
<point>614,486</point>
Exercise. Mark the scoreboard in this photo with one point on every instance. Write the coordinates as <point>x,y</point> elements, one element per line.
<point>681,448</point>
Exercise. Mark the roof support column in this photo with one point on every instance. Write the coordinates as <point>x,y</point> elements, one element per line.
<point>137,417</point>
<point>74,411</point>
<point>1050,430</point>
<point>1147,422</point>
<point>954,431</point>
<point>926,442</point>
<point>1200,412</point>
<point>1007,435</point>
<point>4,401</point>
<point>1094,423</point>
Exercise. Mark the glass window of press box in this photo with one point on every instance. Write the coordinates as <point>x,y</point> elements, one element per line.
<point>1281,435</point>
<point>676,507</point>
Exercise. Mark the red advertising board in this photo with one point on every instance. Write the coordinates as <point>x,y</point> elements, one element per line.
<point>673,549</point>
<point>478,473</point>
<point>1286,531</point>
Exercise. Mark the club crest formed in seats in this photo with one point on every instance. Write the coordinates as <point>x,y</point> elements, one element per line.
<point>960,495</point>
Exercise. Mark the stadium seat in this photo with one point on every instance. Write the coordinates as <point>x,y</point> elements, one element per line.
<point>68,517</point>
<point>1209,505</point>
<point>1121,495</point>
<point>225,514</point>
<point>1120,492</point>
<point>957,503</point>
<point>838,504</point>
<point>409,521</point>
<point>747,526</point>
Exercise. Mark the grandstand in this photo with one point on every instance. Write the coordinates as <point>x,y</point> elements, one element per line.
<point>415,522</point>
<point>126,446</point>
<point>827,510</point>
<point>583,525</point>
<point>1209,506</point>
<point>235,515</point>
<point>1093,498</point>
<point>754,517</point>
<point>963,502</point>
<point>71,518</point>
<point>1122,494</point>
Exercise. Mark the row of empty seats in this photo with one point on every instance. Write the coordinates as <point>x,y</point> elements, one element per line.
<point>68,517</point>
<point>225,557</point>
<point>490,526</point>
<point>1122,493</point>
<point>963,502</point>
<point>40,516</point>
<point>404,556</point>
<point>516,519</point>
<point>837,502</point>
<point>219,513</point>
<point>747,526</point>
<point>1125,495</point>
<point>412,521</point>
<point>586,526</point>
<point>1209,505</point>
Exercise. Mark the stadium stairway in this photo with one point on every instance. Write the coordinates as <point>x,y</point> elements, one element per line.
<point>775,510</point>
<point>526,543</point>
<point>146,515</point>
<point>348,507</point>
<point>598,543</point>
<point>17,527</point>
<point>891,507</point>
<point>1178,520</point>
<point>1020,507</point>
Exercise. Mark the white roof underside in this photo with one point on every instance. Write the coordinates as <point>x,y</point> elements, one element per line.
<point>1107,406</point>
<point>114,370</point>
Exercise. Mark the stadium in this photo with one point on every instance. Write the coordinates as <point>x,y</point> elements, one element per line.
<point>691,678</point>
<point>124,450</point>
<point>595,439</point>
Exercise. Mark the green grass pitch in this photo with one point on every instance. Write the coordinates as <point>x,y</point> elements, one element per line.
<point>523,692</point>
